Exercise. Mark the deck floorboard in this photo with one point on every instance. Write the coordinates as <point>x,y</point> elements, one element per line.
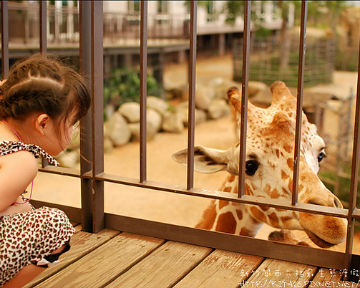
<point>114,259</point>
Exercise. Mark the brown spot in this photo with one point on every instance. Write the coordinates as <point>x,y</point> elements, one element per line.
<point>248,190</point>
<point>290,186</point>
<point>239,214</point>
<point>267,189</point>
<point>226,223</point>
<point>285,191</point>
<point>264,208</point>
<point>280,210</point>
<point>231,178</point>
<point>286,218</point>
<point>208,217</point>
<point>257,214</point>
<point>290,163</point>
<point>222,203</point>
<point>277,153</point>
<point>287,148</point>
<point>227,189</point>
<point>246,232</point>
<point>284,175</point>
<point>274,194</point>
<point>274,221</point>
<point>272,165</point>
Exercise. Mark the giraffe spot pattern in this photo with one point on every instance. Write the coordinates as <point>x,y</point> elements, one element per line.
<point>226,223</point>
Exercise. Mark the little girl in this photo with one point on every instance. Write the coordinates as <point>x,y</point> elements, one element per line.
<point>40,102</point>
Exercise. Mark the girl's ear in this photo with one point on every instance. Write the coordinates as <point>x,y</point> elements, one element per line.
<point>42,123</point>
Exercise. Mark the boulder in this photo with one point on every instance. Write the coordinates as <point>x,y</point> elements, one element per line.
<point>131,111</point>
<point>204,96</point>
<point>75,141</point>
<point>68,159</point>
<point>117,130</point>
<point>218,108</point>
<point>157,104</point>
<point>108,145</point>
<point>182,109</point>
<point>153,121</point>
<point>173,122</point>
<point>255,87</point>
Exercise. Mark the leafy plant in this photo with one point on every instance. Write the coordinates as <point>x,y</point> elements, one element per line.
<point>123,86</point>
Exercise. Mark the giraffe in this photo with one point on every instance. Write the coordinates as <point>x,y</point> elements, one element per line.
<point>269,174</point>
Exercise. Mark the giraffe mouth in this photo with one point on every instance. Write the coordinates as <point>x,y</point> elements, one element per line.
<point>318,241</point>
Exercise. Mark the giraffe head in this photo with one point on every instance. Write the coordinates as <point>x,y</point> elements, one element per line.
<point>269,166</point>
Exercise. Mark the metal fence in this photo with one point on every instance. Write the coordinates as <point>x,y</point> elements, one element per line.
<point>92,174</point>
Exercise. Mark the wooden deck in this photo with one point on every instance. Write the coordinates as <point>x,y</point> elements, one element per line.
<point>114,259</point>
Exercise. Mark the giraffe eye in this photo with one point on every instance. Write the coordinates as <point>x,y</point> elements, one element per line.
<point>321,156</point>
<point>251,166</point>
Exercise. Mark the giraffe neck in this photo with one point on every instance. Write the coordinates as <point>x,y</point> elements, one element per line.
<point>229,217</point>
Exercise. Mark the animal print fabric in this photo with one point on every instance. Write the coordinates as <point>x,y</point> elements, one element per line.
<point>31,237</point>
<point>8,147</point>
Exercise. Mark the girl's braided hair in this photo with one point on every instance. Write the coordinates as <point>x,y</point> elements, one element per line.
<point>43,84</point>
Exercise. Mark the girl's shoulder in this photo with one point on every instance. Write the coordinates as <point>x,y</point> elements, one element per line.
<point>9,147</point>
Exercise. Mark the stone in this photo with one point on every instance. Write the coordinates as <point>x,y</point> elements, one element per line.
<point>75,141</point>
<point>203,97</point>
<point>108,145</point>
<point>131,111</point>
<point>153,121</point>
<point>173,122</point>
<point>157,104</point>
<point>69,159</point>
<point>255,87</point>
<point>182,109</point>
<point>117,130</point>
<point>218,108</point>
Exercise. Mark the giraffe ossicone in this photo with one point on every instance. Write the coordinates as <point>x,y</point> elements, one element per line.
<point>269,173</point>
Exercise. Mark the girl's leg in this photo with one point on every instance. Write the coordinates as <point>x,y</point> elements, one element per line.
<point>27,273</point>
<point>24,276</point>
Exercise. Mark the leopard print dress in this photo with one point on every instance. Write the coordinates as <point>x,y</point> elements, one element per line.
<point>30,237</point>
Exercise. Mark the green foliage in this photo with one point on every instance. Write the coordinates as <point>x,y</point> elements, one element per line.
<point>233,9</point>
<point>123,86</point>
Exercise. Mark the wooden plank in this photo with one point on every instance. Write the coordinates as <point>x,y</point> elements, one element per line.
<point>81,244</point>
<point>221,269</point>
<point>163,268</point>
<point>276,273</point>
<point>105,263</point>
<point>327,278</point>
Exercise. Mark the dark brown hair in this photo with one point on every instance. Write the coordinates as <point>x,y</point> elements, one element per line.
<point>43,84</point>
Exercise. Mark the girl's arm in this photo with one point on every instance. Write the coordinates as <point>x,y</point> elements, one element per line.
<point>17,170</point>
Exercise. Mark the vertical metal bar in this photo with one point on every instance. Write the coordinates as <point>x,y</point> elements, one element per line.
<point>302,51</point>
<point>43,26</point>
<point>97,111</point>
<point>244,97</point>
<point>143,89</point>
<point>4,39</point>
<point>354,176</point>
<point>192,84</point>
<point>85,125</point>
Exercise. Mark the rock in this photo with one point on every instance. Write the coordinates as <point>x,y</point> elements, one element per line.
<point>222,88</point>
<point>173,122</point>
<point>218,108</point>
<point>153,126</point>
<point>255,87</point>
<point>157,104</point>
<point>117,130</point>
<point>69,159</point>
<point>75,141</point>
<point>182,109</point>
<point>108,145</point>
<point>203,97</point>
<point>131,111</point>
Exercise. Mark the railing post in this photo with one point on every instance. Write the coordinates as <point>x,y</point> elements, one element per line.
<point>91,140</point>
<point>4,40</point>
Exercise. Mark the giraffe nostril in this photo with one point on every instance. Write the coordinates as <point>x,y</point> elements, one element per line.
<point>337,203</point>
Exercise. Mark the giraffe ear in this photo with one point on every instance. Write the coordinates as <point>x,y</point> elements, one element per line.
<point>206,160</point>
